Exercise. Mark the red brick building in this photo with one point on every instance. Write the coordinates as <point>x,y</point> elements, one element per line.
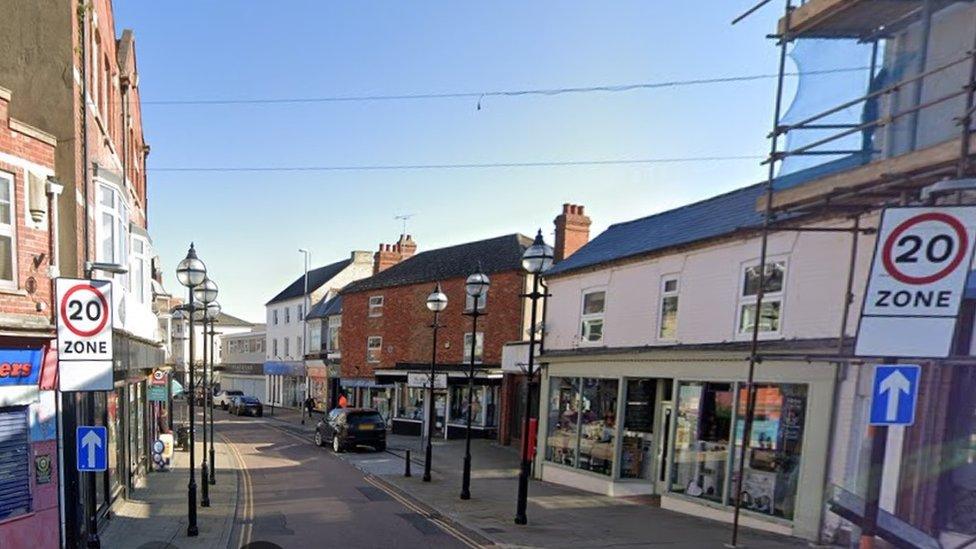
<point>28,228</point>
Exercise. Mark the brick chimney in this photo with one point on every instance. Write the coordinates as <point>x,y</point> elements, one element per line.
<point>389,255</point>
<point>572,230</point>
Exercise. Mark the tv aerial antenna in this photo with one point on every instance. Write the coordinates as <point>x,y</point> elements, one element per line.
<point>403,218</point>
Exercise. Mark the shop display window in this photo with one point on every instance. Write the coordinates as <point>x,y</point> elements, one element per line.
<point>772,468</point>
<point>701,443</point>
<point>635,451</point>
<point>411,405</point>
<point>459,405</point>
<point>562,437</point>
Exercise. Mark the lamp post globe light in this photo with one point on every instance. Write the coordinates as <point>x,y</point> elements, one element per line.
<point>191,272</point>
<point>475,286</point>
<point>213,311</point>
<point>436,302</point>
<point>536,259</point>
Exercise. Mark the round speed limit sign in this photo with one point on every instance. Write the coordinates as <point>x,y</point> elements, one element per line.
<point>84,319</point>
<point>925,248</point>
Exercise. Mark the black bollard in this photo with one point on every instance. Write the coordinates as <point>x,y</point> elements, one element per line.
<point>406,465</point>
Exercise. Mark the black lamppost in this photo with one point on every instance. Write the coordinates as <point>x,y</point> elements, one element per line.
<point>536,259</point>
<point>213,311</point>
<point>205,293</point>
<point>191,272</point>
<point>476,286</point>
<point>436,302</point>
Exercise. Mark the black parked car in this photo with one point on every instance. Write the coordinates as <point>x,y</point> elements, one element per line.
<point>246,406</point>
<point>346,428</point>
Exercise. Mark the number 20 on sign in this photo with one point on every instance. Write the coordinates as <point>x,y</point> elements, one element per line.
<point>84,310</point>
<point>921,261</point>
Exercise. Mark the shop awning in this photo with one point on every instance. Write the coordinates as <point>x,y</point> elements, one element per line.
<point>284,368</point>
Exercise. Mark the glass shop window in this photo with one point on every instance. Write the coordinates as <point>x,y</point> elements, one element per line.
<point>701,439</point>
<point>635,451</point>
<point>411,405</point>
<point>562,438</point>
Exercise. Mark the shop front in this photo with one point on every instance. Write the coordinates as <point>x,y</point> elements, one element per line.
<point>673,426</point>
<point>408,409</point>
<point>286,382</point>
<point>29,515</point>
<point>369,393</point>
<point>248,378</point>
<point>323,383</point>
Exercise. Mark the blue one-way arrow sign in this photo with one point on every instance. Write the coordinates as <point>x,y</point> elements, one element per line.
<point>894,393</point>
<point>92,449</point>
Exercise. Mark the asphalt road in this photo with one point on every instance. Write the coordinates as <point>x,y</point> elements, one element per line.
<point>295,494</point>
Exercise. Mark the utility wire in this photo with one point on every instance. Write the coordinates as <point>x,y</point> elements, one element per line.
<point>497,93</point>
<point>393,167</point>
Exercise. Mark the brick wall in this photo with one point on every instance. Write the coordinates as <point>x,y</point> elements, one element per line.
<point>29,149</point>
<point>405,324</point>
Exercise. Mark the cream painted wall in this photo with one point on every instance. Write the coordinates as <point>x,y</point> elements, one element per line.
<point>709,286</point>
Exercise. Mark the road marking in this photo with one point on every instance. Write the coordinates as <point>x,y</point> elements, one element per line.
<point>247,513</point>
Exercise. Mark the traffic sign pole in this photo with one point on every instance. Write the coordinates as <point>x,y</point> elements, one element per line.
<point>872,497</point>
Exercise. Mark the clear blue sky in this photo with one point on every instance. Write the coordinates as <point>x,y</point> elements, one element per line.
<point>249,226</point>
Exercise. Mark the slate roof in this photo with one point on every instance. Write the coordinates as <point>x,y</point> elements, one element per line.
<point>225,319</point>
<point>709,218</point>
<point>503,253</point>
<point>316,278</point>
<point>325,307</point>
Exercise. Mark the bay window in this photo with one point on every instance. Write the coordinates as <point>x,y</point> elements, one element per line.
<point>594,304</point>
<point>112,229</point>
<point>332,334</point>
<point>8,233</point>
<point>315,336</point>
<point>139,267</point>
<point>772,303</point>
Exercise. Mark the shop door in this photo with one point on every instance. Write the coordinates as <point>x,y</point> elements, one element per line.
<point>663,445</point>
<point>440,409</point>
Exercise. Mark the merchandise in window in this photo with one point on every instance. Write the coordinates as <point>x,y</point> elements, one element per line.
<point>563,437</point>
<point>598,424</point>
<point>594,304</point>
<point>701,440</point>
<point>411,405</point>
<point>770,312</point>
<point>8,231</point>
<point>772,470</point>
<point>374,347</point>
<point>459,405</point>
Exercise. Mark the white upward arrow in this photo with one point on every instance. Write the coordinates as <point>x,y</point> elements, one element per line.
<point>93,442</point>
<point>895,384</point>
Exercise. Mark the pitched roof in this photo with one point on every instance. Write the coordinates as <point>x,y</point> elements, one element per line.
<point>325,307</point>
<point>225,319</point>
<point>316,278</point>
<point>709,218</point>
<point>502,253</point>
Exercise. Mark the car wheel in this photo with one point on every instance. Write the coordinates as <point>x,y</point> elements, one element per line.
<point>336,445</point>
<point>318,438</point>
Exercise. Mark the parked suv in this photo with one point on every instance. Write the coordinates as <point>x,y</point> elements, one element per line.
<point>346,428</point>
<point>223,398</point>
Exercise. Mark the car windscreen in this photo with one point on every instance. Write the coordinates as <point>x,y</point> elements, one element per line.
<point>360,418</point>
<point>250,400</point>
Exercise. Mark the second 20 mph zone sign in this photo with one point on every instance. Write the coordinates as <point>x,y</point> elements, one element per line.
<point>85,354</point>
<point>921,262</point>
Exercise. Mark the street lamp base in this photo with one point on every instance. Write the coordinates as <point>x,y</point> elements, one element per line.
<point>521,520</point>
<point>213,473</point>
<point>426,477</point>
<point>465,495</point>
<point>192,531</point>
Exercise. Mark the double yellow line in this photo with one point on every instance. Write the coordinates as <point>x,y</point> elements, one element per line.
<point>247,512</point>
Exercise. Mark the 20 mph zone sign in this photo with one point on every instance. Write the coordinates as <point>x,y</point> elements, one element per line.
<point>84,310</point>
<point>921,262</point>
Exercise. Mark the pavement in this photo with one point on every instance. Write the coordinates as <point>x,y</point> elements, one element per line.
<point>559,516</point>
<point>155,514</point>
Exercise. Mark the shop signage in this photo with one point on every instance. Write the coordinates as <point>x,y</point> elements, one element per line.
<point>157,386</point>
<point>894,393</point>
<point>92,448</point>
<point>20,366</point>
<point>84,317</point>
<point>417,379</point>
<point>921,261</point>
<point>42,469</point>
<point>256,369</point>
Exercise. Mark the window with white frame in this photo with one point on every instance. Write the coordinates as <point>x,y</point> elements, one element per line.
<point>287,347</point>
<point>469,302</point>
<point>668,321</point>
<point>772,302</point>
<point>299,350</point>
<point>376,305</point>
<point>314,336</point>
<point>138,279</point>
<point>274,347</point>
<point>479,348</point>
<point>374,347</point>
<point>287,315</point>
<point>112,230</point>
<point>274,315</point>
<point>332,341</point>
<point>594,304</point>
<point>8,232</point>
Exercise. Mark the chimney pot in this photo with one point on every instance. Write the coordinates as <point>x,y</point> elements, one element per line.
<point>572,230</point>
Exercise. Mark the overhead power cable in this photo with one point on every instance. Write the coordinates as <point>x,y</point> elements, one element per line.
<point>465,166</point>
<point>496,93</point>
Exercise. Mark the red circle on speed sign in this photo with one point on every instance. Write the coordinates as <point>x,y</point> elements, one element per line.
<point>67,320</point>
<point>962,239</point>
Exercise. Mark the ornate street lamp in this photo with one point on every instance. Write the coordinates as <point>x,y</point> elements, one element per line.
<point>213,311</point>
<point>477,287</point>
<point>536,260</point>
<point>436,302</point>
<point>191,272</point>
<point>205,294</point>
